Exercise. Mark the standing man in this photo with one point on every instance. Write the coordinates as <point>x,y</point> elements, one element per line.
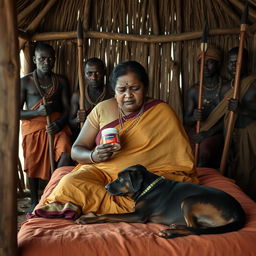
<point>211,142</point>
<point>95,92</point>
<point>43,83</point>
<point>242,159</point>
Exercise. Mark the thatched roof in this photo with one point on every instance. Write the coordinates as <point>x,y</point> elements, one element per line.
<point>162,35</point>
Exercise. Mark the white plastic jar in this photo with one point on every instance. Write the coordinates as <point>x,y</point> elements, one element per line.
<point>111,135</point>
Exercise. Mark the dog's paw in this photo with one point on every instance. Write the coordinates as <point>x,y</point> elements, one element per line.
<point>176,226</point>
<point>172,233</point>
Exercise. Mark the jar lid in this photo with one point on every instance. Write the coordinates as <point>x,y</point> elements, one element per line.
<point>109,130</point>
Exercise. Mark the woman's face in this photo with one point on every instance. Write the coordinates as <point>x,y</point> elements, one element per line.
<point>129,93</point>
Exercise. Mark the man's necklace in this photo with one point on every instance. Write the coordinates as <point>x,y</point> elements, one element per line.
<point>99,99</point>
<point>45,87</point>
<point>214,95</point>
<point>42,89</point>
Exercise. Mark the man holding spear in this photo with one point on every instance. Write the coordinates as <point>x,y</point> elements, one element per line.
<point>92,88</point>
<point>208,153</point>
<point>240,123</point>
<point>242,157</point>
<point>45,96</point>
<point>95,92</point>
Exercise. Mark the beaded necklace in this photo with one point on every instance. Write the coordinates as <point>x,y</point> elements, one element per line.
<point>216,95</point>
<point>99,99</point>
<point>42,88</point>
<point>122,117</point>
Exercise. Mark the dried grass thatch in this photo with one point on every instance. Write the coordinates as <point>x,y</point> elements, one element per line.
<point>171,64</point>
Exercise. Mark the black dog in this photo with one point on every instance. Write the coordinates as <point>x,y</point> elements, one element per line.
<point>187,208</point>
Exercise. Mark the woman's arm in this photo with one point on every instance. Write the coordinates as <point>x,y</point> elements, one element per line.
<point>83,150</point>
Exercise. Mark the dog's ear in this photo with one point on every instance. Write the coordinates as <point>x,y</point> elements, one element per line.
<point>136,177</point>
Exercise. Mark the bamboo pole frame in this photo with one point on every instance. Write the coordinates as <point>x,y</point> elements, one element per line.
<point>9,119</point>
<point>229,11</point>
<point>28,10</point>
<point>35,23</point>
<point>133,38</point>
<point>240,6</point>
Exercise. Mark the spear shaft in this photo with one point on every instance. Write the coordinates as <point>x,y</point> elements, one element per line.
<point>51,142</point>
<point>200,89</point>
<point>231,120</point>
<point>80,65</point>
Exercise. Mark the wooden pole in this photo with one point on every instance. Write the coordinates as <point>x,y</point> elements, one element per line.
<point>9,132</point>
<point>51,142</point>
<point>200,89</point>
<point>28,10</point>
<point>135,38</point>
<point>35,23</point>
<point>80,65</point>
<point>239,4</point>
<point>28,62</point>
<point>231,120</point>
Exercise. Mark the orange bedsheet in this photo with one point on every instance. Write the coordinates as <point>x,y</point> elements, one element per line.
<point>59,237</point>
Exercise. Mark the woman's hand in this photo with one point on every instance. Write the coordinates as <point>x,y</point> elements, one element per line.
<point>103,152</point>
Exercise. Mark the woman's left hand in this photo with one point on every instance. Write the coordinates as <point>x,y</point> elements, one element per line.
<point>103,152</point>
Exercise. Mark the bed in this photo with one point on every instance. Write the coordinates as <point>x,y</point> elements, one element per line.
<point>54,237</point>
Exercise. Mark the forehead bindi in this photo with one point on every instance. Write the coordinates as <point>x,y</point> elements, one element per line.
<point>130,79</point>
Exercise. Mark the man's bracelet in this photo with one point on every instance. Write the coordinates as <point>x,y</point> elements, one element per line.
<point>91,159</point>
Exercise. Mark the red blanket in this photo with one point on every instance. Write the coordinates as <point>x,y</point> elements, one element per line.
<point>54,237</point>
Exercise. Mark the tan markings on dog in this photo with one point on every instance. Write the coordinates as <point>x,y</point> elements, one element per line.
<point>169,232</point>
<point>127,185</point>
<point>207,215</point>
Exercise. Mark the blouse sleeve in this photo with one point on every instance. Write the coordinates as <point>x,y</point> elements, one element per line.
<point>94,119</point>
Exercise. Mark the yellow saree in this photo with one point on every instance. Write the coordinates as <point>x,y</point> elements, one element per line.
<point>157,141</point>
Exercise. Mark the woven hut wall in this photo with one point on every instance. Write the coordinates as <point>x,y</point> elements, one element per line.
<point>171,65</point>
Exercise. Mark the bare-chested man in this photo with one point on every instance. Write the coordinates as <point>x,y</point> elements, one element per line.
<point>95,92</point>
<point>211,142</point>
<point>242,160</point>
<point>54,88</point>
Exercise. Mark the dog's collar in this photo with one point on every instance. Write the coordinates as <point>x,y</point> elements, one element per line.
<point>150,186</point>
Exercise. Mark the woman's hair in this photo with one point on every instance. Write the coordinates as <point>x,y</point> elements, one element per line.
<point>126,67</point>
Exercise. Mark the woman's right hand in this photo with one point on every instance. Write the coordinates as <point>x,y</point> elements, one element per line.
<point>103,152</point>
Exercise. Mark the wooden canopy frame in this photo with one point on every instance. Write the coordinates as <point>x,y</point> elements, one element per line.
<point>13,39</point>
<point>9,120</point>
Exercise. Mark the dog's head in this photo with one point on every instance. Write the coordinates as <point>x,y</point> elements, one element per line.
<point>128,182</point>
